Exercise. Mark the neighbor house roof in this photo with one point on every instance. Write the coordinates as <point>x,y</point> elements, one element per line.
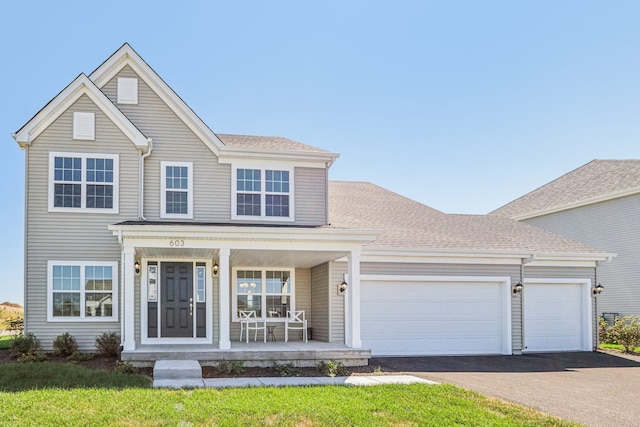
<point>405,223</point>
<point>597,181</point>
<point>266,143</point>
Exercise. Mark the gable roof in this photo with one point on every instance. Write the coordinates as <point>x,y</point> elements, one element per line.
<point>405,223</point>
<point>82,85</point>
<point>597,181</point>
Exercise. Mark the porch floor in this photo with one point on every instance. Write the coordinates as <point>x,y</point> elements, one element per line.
<point>252,354</point>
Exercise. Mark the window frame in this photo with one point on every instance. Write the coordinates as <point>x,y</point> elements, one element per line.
<point>83,264</point>
<point>263,295</point>
<point>263,168</point>
<point>83,183</point>
<point>163,190</point>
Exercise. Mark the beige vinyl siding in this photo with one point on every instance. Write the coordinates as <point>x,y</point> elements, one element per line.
<point>215,294</point>
<point>612,226</point>
<point>566,273</point>
<point>73,236</point>
<point>336,303</point>
<point>409,269</point>
<point>174,141</point>
<point>311,196</point>
<point>320,288</point>
<point>303,302</point>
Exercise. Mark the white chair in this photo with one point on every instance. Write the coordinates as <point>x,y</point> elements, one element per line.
<point>297,321</point>
<point>250,322</point>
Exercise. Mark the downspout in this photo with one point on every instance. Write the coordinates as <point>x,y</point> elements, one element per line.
<point>523,261</point>
<point>141,180</point>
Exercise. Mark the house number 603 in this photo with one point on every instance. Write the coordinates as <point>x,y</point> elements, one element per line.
<point>176,242</point>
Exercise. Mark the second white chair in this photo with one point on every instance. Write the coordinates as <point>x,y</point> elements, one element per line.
<point>297,321</point>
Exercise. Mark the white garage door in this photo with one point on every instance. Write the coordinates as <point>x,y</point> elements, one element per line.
<point>429,316</point>
<point>557,316</point>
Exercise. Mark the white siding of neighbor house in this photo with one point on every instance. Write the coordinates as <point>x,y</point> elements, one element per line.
<point>72,236</point>
<point>612,226</point>
<point>320,288</point>
<point>174,141</point>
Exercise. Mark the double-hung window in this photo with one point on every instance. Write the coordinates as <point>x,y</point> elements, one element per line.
<point>83,182</point>
<point>83,290</point>
<point>263,193</point>
<point>176,190</point>
<point>268,292</point>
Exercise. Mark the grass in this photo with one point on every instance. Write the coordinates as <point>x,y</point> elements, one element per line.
<point>617,347</point>
<point>5,342</point>
<point>65,394</point>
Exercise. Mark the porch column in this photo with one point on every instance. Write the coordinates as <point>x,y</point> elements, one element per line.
<point>223,291</point>
<point>352,302</point>
<point>129,300</point>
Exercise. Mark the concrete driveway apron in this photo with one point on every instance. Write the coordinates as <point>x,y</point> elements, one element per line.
<point>595,389</point>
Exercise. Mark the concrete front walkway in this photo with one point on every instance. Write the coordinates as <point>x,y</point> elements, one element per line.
<point>291,381</point>
<point>592,388</point>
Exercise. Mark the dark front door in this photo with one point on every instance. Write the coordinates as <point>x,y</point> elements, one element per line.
<point>177,299</point>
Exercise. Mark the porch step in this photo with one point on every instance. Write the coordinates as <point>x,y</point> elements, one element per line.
<point>177,373</point>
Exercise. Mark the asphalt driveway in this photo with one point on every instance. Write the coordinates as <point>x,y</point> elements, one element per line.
<point>595,389</point>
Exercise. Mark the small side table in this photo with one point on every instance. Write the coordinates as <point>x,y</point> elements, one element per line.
<point>270,335</point>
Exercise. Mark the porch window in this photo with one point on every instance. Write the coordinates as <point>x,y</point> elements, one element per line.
<point>82,290</point>
<point>267,292</point>
<point>264,193</point>
<point>177,190</point>
<point>83,182</point>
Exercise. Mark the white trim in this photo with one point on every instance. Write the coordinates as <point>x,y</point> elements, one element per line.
<point>82,291</point>
<point>263,294</point>
<point>84,126</point>
<point>163,190</point>
<point>505,281</point>
<point>83,183</point>
<point>58,105</point>
<point>587,307</point>
<point>262,167</point>
<point>127,89</point>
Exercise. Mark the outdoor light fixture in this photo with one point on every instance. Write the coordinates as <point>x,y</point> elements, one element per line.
<point>215,268</point>
<point>597,290</point>
<point>136,266</point>
<point>517,288</point>
<point>342,287</point>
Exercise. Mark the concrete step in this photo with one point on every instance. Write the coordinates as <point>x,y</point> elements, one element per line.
<point>177,370</point>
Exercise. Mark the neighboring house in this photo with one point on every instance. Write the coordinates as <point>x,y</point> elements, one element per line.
<point>142,220</point>
<point>598,204</point>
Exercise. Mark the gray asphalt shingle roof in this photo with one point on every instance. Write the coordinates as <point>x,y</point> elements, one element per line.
<point>595,180</point>
<point>405,223</point>
<point>266,143</point>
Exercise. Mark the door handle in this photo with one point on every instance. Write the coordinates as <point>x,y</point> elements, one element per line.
<point>190,309</point>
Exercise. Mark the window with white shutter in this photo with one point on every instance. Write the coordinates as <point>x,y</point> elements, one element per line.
<point>127,90</point>
<point>84,126</point>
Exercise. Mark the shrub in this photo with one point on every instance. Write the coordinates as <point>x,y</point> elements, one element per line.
<point>604,331</point>
<point>15,324</point>
<point>26,345</point>
<point>230,367</point>
<point>286,369</point>
<point>65,345</point>
<point>333,368</point>
<point>125,368</point>
<point>108,344</point>
<point>626,332</point>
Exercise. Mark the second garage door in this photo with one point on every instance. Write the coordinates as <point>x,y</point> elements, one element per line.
<point>435,315</point>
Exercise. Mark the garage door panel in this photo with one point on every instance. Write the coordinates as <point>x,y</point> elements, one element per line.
<point>418,318</point>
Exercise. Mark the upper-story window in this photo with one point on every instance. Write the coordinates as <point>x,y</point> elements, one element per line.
<point>264,193</point>
<point>177,190</point>
<point>83,182</point>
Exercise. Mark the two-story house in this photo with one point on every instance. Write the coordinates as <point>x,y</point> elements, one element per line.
<point>141,220</point>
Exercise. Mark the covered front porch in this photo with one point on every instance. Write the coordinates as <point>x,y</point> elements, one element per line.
<point>183,287</point>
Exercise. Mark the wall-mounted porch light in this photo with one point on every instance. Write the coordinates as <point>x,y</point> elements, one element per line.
<point>215,268</point>
<point>136,266</point>
<point>597,290</point>
<point>342,287</point>
<point>517,288</point>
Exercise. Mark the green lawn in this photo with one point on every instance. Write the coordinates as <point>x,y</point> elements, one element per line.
<point>5,342</point>
<point>45,394</point>
<point>617,347</point>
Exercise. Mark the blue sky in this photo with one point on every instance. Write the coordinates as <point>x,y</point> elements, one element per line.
<point>461,105</point>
